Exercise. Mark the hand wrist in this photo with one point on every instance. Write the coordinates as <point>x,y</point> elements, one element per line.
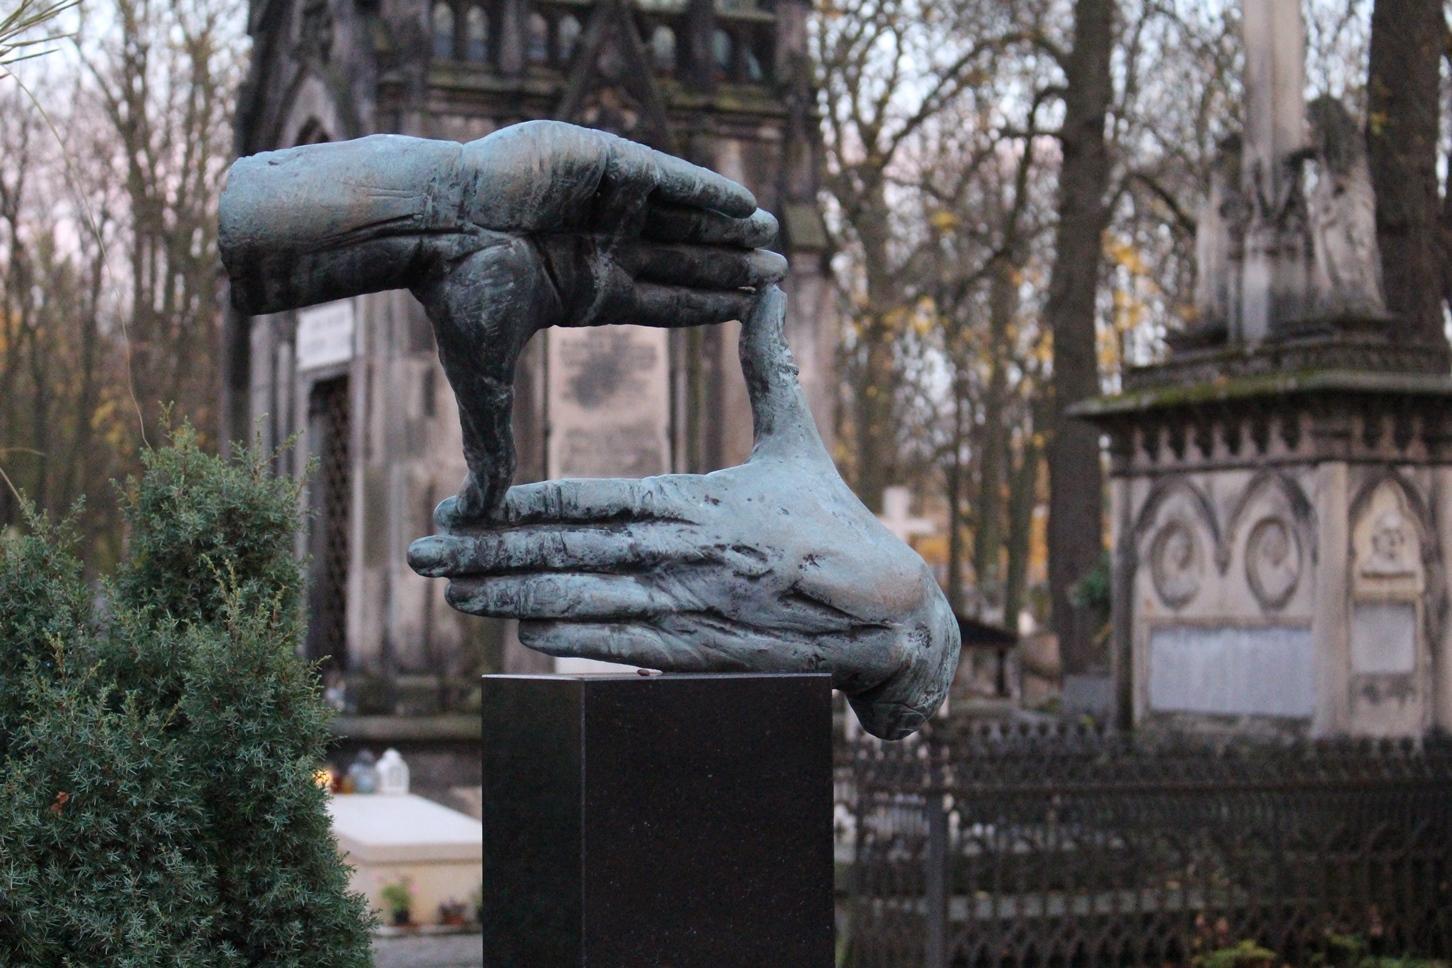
<point>902,703</point>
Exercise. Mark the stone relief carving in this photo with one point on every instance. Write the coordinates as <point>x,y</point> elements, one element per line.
<point>1342,207</point>
<point>1176,563</point>
<point>1219,251</point>
<point>1273,562</point>
<point>1398,608</point>
<point>1390,542</point>
<point>1286,236</point>
<point>1386,542</point>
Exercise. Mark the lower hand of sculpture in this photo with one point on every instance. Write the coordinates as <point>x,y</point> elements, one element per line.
<point>770,566</point>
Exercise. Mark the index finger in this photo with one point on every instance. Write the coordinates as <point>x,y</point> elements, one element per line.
<point>597,500</point>
<point>682,183</point>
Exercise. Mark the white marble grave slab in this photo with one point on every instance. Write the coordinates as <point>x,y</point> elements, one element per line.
<point>1232,671</point>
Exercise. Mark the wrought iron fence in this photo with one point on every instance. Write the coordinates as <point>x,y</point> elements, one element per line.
<point>1026,845</point>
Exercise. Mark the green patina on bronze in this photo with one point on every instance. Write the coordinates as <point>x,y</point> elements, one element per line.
<point>770,566</point>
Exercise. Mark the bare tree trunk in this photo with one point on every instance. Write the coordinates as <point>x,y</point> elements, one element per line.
<point>87,396</point>
<point>40,418</point>
<point>1023,498</point>
<point>955,503</point>
<point>10,331</point>
<point>1446,236</point>
<point>1407,38</point>
<point>877,446</point>
<point>988,538</point>
<point>1075,478</point>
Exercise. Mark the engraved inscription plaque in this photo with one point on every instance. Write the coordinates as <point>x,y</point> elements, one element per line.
<point>1232,671</point>
<point>609,407</point>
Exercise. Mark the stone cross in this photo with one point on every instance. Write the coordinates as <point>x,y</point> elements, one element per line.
<point>896,516</point>
<point>1274,281</point>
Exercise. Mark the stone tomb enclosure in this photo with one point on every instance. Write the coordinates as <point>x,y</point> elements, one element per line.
<point>1279,565</point>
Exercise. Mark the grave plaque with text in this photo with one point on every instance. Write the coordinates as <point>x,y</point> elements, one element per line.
<point>609,402</point>
<point>1232,670</point>
<point>325,335</point>
<point>1384,638</point>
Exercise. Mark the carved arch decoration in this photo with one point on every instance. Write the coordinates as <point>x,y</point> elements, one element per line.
<point>1165,489</point>
<point>1279,547</point>
<point>1303,514</point>
<point>1423,520</point>
<point>1421,512</point>
<point>1173,546</point>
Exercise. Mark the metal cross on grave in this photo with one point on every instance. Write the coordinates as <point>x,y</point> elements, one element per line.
<point>896,502</point>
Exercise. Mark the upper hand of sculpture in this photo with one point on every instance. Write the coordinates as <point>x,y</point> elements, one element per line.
<point>539,224</point>
<point>596,229</point>
<point>773,565</point>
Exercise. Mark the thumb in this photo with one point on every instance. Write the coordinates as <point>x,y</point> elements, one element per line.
<point>480,325</point>
<point>780,418</point>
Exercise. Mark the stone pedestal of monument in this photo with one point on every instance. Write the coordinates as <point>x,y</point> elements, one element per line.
<point>675,820</point>
<point>1279,549</point>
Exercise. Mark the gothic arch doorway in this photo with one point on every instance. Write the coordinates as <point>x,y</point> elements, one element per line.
<point>329,499</point>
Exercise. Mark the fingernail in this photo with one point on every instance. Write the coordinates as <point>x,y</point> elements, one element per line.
<point>774,264</point>
<point>426,555</point>
<point>764,228</point>
<point>447,512</point>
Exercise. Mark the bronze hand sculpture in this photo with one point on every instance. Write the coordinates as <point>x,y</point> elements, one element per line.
<point>773,565</point>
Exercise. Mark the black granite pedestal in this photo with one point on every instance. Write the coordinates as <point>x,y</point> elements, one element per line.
<point>658,821</point>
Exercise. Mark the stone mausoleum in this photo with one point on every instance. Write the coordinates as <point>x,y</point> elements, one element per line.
<point>1281,490</point>
<point>725,84</point>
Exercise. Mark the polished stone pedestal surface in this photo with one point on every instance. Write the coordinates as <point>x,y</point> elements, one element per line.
<point>674,820</point>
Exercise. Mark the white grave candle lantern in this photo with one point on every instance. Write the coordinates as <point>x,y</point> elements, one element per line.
<point>392,774</point>
<point>364,773</point>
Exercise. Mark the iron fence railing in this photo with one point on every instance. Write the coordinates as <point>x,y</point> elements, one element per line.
<point>996,845</point>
